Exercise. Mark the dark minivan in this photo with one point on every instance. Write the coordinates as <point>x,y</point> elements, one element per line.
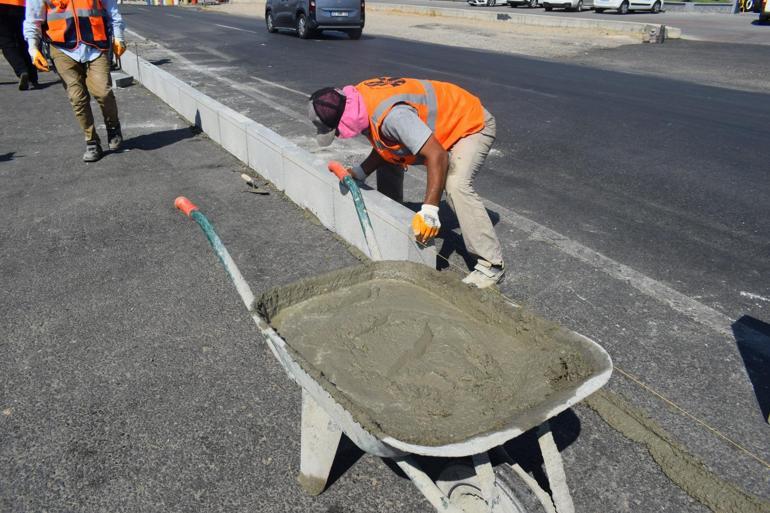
<point>309,17</point>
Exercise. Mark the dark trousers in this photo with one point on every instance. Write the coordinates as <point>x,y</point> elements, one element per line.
<point>12,41</point>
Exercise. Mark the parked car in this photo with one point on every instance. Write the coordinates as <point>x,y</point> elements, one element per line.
<point>528,3</point>
<point>486,3</point>
<point>623,6</point>
<point>569,5</point>
<point>309,17</point>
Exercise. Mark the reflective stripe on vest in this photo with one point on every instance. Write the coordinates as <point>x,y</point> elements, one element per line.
<point>457,112</point>
<point>71,22</point>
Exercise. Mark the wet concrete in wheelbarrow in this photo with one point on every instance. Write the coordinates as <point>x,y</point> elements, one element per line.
<point>423,361</point>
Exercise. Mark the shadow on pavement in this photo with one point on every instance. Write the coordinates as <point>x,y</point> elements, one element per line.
<point>752,337</point>
<point>157,140</point>
<point>7,157</point>
<point>46,85</point>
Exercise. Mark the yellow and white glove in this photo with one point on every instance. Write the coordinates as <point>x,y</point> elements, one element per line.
<point>425,223</point>
<point>37,56</point>
<point>118,47</point>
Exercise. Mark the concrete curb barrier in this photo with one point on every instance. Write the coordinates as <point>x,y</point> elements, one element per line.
<point>303,178</point>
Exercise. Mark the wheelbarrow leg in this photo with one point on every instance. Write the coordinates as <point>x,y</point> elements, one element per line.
<point>554,469</point>
<point>426,486</point>
<point>486,476</point>
<point>319,442</point>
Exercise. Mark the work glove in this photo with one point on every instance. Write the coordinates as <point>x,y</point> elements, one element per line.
<point>425,223</point>
<point>118,47</point>
<point>37,57</point>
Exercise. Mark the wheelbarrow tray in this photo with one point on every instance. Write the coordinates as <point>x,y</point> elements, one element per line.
<point>368,427</point>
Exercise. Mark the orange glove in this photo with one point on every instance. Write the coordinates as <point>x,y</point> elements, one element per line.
<point>39,61</point>
<point>425,223</point>
<point>118,47</point>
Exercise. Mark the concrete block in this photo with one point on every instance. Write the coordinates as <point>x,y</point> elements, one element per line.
<point>207,116</point>
<point>168,89</point>
<point>308,186</point>
<point>346,223</point>
<point>121,79</point>
<point>187,104</point>
<point>232,130</point>
<point>147,76</point>
<point>130,63</point>
<point>265,153</point>
<point>392,223</point>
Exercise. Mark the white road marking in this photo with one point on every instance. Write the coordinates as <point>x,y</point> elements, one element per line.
<point>236,28</point>
<point>173,15</point>
<point>280,86</point>
<point>754,296</point>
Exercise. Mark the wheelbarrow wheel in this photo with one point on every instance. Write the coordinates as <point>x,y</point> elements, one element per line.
<point>460,484</point>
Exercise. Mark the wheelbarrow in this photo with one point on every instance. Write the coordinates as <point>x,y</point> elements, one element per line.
<point>466,480</point>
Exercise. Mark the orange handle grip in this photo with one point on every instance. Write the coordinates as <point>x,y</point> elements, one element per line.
<point>338,169</point>
<point>186,206</point>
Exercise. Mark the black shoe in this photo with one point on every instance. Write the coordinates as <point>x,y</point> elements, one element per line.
<point>114,137</point>
<point>93,152</point>
<point>23,81</point>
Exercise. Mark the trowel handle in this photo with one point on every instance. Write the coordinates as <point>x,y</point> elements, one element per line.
<point>338,169</point>
<point>185,205</point>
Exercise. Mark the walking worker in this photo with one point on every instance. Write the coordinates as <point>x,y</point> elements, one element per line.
<point>80,33</point>
<point>12,42</point>
<point>410,121</point>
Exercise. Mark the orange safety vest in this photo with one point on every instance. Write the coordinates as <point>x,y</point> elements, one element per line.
<point>450,112</point>
<point>71,22</point>
<point>17,3</point>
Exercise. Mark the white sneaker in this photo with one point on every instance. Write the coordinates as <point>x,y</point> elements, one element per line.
<point>485,275</point>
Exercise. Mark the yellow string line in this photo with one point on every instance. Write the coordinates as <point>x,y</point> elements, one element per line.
<point>693,417</point>
<point>643,385</point>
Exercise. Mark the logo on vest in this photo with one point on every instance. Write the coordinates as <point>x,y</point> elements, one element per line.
<point>385,82</point>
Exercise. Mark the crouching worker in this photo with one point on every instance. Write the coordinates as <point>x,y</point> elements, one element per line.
<point>80,33</point>
<point>410,121</point>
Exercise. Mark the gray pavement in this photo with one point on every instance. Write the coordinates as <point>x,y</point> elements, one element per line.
<point>120,390</point>
<point>619,213</point>
<point>722,28</point>
<point>131,378</point>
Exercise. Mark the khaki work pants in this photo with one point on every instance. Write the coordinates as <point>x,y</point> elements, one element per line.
<point>465,160</point>
<point>83,80</point>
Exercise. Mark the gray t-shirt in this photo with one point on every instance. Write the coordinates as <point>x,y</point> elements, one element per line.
<point>403,125</point>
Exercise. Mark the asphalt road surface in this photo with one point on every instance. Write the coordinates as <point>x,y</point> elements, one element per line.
<point>631,208</point>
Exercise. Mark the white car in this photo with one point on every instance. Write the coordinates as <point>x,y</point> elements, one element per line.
<point>487,3</point>
<point>623,6</point>
<point>569,5</point>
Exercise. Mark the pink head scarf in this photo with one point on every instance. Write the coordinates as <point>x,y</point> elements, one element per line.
<point>355,119</point>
